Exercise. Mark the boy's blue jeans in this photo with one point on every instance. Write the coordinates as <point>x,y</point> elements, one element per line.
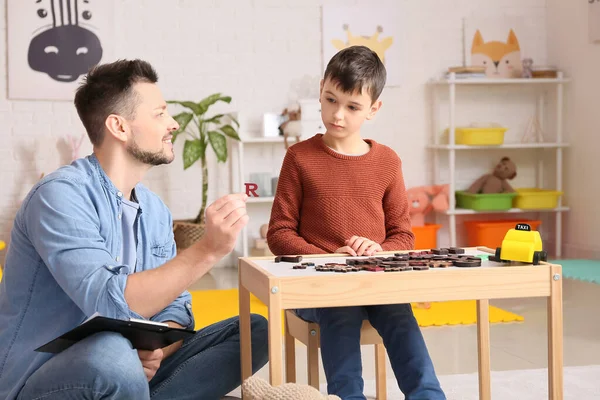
<point>104,366</point>
<point>340,349</point>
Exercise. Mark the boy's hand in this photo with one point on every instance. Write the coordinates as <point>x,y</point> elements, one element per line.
<point>225,218</point>
<point>346,249</point>
<point>363,246</point>
<point>150,361</point>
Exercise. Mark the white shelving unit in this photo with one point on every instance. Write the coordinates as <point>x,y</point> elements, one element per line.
<point>255,200</point>
<point>557,145</point>
<point>311,123</point>
<point>238,178</point>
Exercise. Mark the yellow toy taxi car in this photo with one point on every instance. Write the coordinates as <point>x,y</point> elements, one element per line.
<point>521,244</point>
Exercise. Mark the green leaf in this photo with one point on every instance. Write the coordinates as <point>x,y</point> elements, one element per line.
<point>193,150</point>
<point>235,121</point>
<point>230,131</point>
<point>219,144</point>
<point>183,119</point>
<point>189,104</point>
<point>212,99</point>
<point>215,120</point>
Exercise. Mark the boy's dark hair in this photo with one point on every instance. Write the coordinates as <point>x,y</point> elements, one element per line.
<point>355,68</point>
<point>108,89</point>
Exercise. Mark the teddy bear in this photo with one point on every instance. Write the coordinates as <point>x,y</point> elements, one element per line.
<point>292,127</point>
<point>497,181</point>
<point>255,388</point>
<point>423,199</point>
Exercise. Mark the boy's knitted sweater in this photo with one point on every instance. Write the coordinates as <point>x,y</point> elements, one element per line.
<point>324,198</point>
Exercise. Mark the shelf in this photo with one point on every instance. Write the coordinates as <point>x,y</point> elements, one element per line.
<point>545,86</point>
<point>466,211</point>
<point>490,81</point>
<point>503,146</point>
<point>260,200</point>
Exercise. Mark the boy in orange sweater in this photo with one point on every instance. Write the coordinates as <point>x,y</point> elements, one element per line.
<point>339,193</point>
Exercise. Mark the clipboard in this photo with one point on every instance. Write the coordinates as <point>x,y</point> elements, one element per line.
<point>142,335</point>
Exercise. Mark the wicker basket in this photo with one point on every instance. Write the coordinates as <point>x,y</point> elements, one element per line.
<point>187,233</point>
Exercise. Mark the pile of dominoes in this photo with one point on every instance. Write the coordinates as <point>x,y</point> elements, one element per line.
<point>416,260</point>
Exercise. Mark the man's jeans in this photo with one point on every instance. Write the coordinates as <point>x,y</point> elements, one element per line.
<point>104,366</point>
<point>340,349</point>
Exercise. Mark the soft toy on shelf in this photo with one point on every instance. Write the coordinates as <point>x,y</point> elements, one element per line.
<point>423,199</point>
<point>497,181</point>
<point>261,248</point>
<point>527,68</point>
<point>255,388</point>
<point>292,127</point>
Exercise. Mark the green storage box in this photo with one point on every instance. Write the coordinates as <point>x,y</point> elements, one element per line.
<point>484,202</point>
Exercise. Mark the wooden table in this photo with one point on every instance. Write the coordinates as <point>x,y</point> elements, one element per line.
<point>280,287</point>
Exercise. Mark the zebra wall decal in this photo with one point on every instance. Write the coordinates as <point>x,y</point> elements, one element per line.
<point>64,49</point>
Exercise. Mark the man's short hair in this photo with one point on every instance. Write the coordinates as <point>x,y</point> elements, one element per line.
<point>356,68</point>
<point>108,89</point>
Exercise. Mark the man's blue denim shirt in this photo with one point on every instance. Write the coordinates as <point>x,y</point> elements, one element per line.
<point>62,264</point>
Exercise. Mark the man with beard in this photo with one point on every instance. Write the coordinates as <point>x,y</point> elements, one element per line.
<point>90,238</point>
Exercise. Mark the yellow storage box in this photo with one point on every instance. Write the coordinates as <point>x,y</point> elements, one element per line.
<point>532,198</point>
<point>480,136</point>
<point>490,135</point>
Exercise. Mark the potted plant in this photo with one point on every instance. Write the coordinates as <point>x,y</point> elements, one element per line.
<point>202,131</point>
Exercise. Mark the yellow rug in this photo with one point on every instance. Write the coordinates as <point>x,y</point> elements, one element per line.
<point>210,306</point>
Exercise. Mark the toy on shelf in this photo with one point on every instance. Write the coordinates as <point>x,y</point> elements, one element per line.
<point>501,59</point>
<point>292,127</point>
<point>497,181</point>
<point>424,199</point>
<point>264,228</point>
<point>521,244</point>
<point>261,248</point>
<point>527,68</point>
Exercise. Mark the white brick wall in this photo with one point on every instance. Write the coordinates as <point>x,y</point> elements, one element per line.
<point>253,51</point>
<point>569,47</point>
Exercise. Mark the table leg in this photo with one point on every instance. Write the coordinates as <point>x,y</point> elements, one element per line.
<point>290,355</point>
<point>245,338</point>
<point>380,383</point>
<point>555,335</point>
<point>483,348</point>
<point>275,343</point>
<point>312,358</point>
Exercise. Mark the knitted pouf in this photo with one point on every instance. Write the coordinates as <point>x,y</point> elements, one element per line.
<point>255,388</point>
